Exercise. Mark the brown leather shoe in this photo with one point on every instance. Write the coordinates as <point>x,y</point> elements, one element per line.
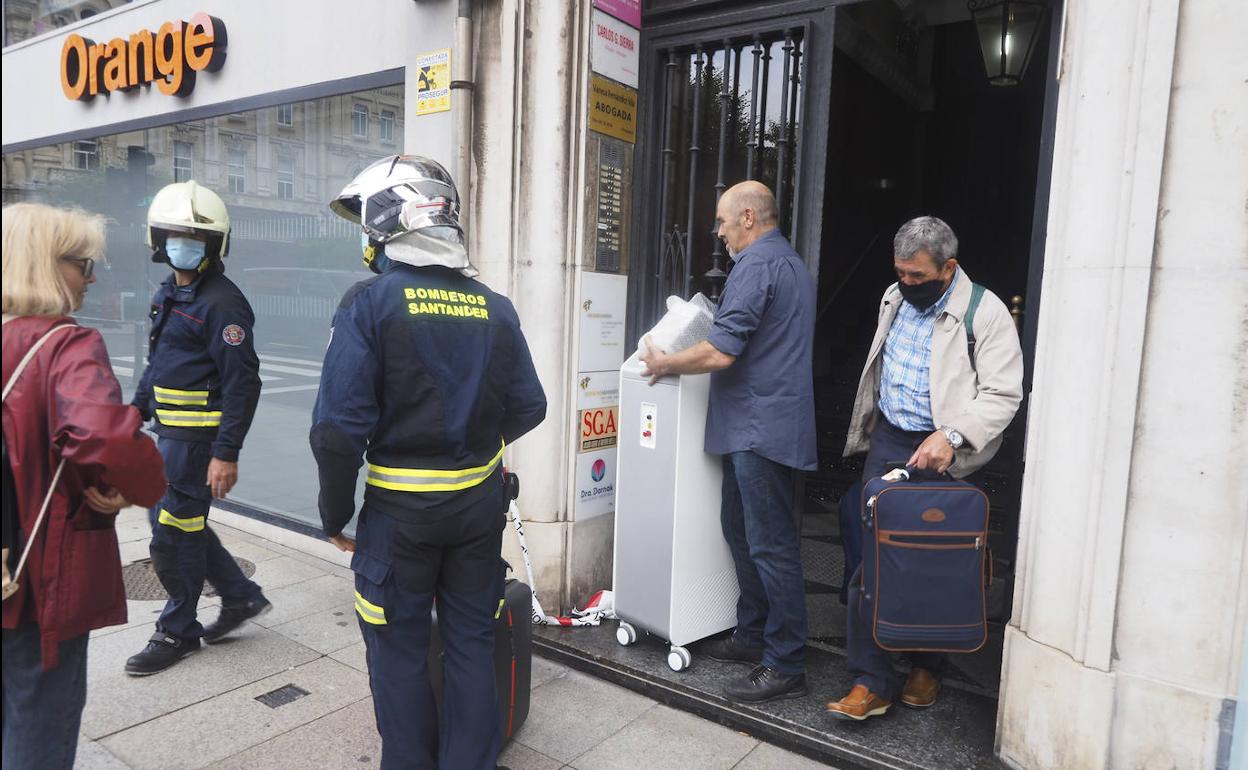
<point>860,704</point>
<point>921,688</point>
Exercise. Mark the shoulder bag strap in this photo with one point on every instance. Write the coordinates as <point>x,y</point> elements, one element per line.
<point>977,293</point>
<point>56,477</point>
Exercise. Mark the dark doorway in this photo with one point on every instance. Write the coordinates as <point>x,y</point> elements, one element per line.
<point>915,128</point>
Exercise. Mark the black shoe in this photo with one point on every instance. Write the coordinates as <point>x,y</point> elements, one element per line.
<point>764,684</point>
<point>233,617</point>
<point>729,650</point>
<point>161,652</point>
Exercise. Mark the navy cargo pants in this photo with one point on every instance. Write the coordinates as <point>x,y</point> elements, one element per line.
<point>184,548</point>
<point>402,567</point>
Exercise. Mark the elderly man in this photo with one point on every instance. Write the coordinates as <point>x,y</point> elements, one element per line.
<point>933,397</point>
<point>761,420</point>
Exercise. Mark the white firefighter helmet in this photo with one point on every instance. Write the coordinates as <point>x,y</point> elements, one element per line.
<point>187,207</point>
<point>402,194</point>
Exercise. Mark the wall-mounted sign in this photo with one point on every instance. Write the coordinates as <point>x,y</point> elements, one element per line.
<point>627,11</point>
<point>614,49</point>
<point>169,58</point>
<point>595,484</point>
<point>433,82</point>
<point>603,299</point>
<point>599,428</point>
<point>612,109</point>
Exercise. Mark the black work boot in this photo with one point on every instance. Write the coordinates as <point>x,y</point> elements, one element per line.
<point>729,650</point>
<point>766,684</point>
<point>234,616</point>
<point>161,652</point>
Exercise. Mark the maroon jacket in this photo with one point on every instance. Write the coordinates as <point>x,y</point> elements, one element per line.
<point>69,398</point>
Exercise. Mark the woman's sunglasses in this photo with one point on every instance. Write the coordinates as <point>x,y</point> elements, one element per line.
<point>85,264</point>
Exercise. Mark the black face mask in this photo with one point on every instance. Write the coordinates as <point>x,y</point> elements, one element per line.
<point>923,295</point>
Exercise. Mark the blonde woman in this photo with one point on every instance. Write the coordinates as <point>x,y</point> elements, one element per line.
<point>64,407</point>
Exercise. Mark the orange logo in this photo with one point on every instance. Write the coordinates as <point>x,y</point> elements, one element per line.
<point>170,58</point>
<point>933,515</point>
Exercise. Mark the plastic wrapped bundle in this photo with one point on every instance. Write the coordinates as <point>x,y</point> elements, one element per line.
<point>684,325</point>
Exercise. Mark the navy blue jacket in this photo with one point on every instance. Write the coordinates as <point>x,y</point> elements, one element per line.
<point>202,381</point>
<point>426,369</point>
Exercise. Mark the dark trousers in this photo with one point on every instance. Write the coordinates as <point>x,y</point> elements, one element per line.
<point>869,664</point>
<point>184,548</point>
<point>760,525</point>
<point>42,709</point>
<point>403,569</point>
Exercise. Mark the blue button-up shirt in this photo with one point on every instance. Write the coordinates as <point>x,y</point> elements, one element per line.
<point>906,383</point>
<point>765,401</point>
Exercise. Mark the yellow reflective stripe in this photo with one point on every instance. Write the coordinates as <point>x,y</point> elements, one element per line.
<point>369,611</point>
<point>188,419</point>
<point>181,397</point>
<point>419,480</point>
<point>193,524</point>
<point>499,611</point>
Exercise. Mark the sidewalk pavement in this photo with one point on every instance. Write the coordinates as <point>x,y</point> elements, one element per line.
<point>203,712</point>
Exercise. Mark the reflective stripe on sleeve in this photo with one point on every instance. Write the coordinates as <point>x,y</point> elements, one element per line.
<point>192,524</point>
<point>420,480</point>
<point>178,418</point>
<point>180,397</point>
<point>369,611</point>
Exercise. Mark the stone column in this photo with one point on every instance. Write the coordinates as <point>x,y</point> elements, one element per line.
<point>1132,595</point>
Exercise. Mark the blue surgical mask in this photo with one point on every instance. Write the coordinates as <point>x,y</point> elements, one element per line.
<point>184,253</point>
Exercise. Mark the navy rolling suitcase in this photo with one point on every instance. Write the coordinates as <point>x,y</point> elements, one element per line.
<point>513,657</point>
<point>925,561</point>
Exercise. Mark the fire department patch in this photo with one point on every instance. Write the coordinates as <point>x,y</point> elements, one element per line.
<point>233,334</point>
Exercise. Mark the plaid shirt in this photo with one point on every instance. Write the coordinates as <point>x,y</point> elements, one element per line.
<point>905,383</point>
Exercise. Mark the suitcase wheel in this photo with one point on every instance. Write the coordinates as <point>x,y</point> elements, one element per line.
<point>678,658</point>
<point>625,634</point>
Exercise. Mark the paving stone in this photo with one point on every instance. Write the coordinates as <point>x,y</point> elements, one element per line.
<point>543,671</point>
<point>326,631</point>
<point>517,756</point>
<point>145,613</point>
<point>665,739</point>
<point>571,713</point>
<point>239,721</point>
<point>133,551</point>
<point>116,701</point>
<point>134,531</point>
<point>354,656</point>
<point>298,600</point>
<point>283,571</point>
<point>92,756</point>
<point>768,757</point>
<point>347,738</point>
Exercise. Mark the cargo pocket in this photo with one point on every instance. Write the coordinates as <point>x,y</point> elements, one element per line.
<point>371,576</point>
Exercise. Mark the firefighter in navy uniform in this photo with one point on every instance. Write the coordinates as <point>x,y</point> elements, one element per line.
<point>201,384</point>
<point>428,377</point>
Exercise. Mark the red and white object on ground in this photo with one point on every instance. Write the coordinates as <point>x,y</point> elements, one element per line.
<point>601,605</point>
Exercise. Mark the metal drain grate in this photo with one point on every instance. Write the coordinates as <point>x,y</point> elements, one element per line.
<point>287,693</point>
<point>143,585</point>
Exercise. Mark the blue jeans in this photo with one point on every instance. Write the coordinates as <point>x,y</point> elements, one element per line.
<point>870,664</point>
<point>42,709</point>
<point>760,525</point>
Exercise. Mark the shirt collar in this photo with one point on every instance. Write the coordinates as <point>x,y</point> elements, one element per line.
<point>770,235</point>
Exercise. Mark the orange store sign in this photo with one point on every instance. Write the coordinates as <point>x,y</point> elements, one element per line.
<point>170,57</point>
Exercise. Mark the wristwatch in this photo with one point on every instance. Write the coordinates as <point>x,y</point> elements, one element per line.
<point>952,436</point>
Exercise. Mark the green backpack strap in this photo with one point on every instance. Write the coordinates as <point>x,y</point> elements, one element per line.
<point>977,294</point>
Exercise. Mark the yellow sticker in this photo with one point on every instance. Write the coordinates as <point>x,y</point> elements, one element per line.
<point>612,109</point>
<point>433,82</point>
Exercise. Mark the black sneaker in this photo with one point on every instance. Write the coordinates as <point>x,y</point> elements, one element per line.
<point>729,650</point>
<point>161,652</point>
<point>233,617</point>
<point>766,684</point>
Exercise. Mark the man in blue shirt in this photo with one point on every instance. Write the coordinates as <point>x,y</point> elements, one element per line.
<point>761,419</point>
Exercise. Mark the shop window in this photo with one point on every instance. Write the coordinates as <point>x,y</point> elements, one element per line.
<point>387,126</point>
<point>285,177</point>
<point>359,121</point>
<point>183,162</point>
<point>86,155</point>
<point>236,170</point>
<point>285,115</point>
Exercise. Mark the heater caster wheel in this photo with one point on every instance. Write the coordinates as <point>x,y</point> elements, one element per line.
<point>678,658</point>
<point>625,634</point>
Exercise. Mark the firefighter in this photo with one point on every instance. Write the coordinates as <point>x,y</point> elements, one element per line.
<point>428,377</point>
<point>202,383</point>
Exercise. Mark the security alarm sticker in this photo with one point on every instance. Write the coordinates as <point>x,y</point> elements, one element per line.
<point>599,428</point>
<point>233,335</point>
<point>433,82</point>
<point>649,421</point>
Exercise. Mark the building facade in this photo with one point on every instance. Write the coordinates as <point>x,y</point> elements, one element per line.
<point>1104,196</point>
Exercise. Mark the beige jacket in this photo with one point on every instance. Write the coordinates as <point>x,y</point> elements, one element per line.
<point>979,403</point>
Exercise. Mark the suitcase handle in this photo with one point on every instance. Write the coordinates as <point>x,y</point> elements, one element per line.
<point>911,473</point>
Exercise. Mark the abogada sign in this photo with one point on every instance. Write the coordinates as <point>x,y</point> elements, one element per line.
<point>170,58</point>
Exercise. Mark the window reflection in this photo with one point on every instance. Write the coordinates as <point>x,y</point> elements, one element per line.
<point>291,256</point>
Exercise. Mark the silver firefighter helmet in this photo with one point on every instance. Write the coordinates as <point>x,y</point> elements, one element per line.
<point>402,194</point>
